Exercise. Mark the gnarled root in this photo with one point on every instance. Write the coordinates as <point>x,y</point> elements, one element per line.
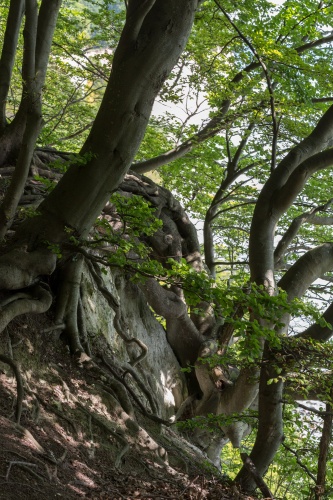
<point>68,301</point>
<point>36,299</point>
<point>19,384</point>
<point>20,268</point>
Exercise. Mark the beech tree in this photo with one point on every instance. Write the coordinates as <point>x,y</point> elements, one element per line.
<point>255,172</point>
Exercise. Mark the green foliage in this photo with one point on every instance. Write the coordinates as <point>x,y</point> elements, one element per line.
<point>132,218</point>
<point>211,421</point>
<point>289,476</point>
<point>214,73</point>
<point>55,249</point>
<point>85,38</point>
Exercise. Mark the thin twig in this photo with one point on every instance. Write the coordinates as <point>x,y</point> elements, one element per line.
<point>300,463</point>
<point>275,123</point>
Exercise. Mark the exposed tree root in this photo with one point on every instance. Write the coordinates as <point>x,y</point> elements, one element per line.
<point>152,416</point>
<point>118,406</point>
<point>120,326</point>
<point>118,321</point>
<point>114,388</point>
<point>50,408</point>
<point>19,384</point>
<point>68,301</point>
<point>105,425</point>
<point>82,326</point>
<point>54,328</point>
<point>20,268</point>
<point>150,397</point>
<point>251,468</point>
<point>34,444</point>
<point>25,466</point>
<point>117,433</point>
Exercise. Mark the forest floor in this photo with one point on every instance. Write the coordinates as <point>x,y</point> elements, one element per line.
<point>26,475</point>
<point>71,442</point>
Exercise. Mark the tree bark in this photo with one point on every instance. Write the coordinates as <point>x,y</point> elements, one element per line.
<point>275,198</point>
<point>8,54</point>
<point>270,428</point>
<point>151,42</point>
<point>323,453</point>
<point>38,34</point>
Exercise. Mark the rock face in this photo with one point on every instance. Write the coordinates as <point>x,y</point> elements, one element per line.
<point>159,370</point>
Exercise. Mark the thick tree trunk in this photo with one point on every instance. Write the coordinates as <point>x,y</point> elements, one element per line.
<point>8,55</point>
<point>323,453</point>
<point>279,192</point>
<point>270,428</point>
<point>154,36</point>
<point>38,35</point>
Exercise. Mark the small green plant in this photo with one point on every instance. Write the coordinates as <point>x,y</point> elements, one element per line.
<point>55,249</point>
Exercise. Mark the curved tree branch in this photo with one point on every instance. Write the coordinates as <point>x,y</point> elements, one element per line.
<point>306,270</point>
<point>121,122</point>
<point>285,196</point>
<point>213,127</point>
<point>318,332</point>
<point>40,301</point>
<point>295,226</point>
<point>216,124</point>
<point>232,174</point>
<point>275,198</point>
<point>270,88</point>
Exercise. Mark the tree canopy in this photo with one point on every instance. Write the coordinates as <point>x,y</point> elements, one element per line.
<point>217,201</point>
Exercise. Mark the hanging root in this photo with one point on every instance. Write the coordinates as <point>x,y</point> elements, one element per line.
<point>68,303</point>
<point>19,386</point>
<point>153,416</point>
<point>69,314</point>
<point>113,385</point>
<point>82,326</point>
<point>119,324</point>
<point>96,275</point>
<point>121,327</point>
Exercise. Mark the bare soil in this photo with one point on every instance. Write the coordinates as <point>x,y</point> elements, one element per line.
<point>73,441</point>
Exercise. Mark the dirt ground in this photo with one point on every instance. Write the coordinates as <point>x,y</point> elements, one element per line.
<point>70,468</point>
<point>73,441</point>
